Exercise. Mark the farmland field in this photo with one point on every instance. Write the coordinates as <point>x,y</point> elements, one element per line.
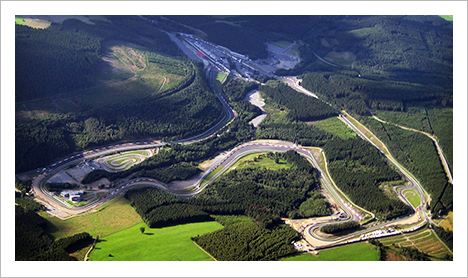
<point>446,222</point>
<point>424,240</point>
<point>113,217</point>
<point>159,244</point>
<point>355,252</point>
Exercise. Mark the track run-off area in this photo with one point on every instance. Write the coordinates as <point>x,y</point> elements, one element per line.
<point>129,154</point>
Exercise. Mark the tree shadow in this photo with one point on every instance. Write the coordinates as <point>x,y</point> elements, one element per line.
<point>149,234</point>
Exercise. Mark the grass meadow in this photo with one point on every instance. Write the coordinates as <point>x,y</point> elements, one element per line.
<point>19,20</point>
<point>160,244</point>
<point>263,161</point>
<point>116,216</point>
<point>362,251</point>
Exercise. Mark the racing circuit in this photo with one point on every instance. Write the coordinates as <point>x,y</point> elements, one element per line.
<point>136,152</point>
<point>124,161</point>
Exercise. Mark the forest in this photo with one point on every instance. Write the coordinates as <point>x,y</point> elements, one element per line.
<point>245,241</point>
<point>418,154</point>
<point>33,243</point>
<point>340,227</point>
<point>177,156</point>
<point>263,195</point>
<point>435,121</point>
<point>181,114</point>
<point>301,107</point>
<point>384,62</point>
<point>357,167</point>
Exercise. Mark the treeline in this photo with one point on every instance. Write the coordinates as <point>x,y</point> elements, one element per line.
<point>245,241</point>
<point>27,202</point>
<point>301,107</point>
<point>264,195</point>
<point>175,214</point>
<point>441,121</point>
<point>412,254</point>
<point>180,171</point>
<point>23,186</point>
<point>418,154</point>
<point>340,227</point>
<point>32,243</point>
<point>302,133</point>
<point>59,186</point>
<point>235,90</point>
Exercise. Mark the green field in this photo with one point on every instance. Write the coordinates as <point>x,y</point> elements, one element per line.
<point>160,244</point>
<point>335,126</point>
<point>113,217</point>
<point>19,20</point>
<point>263,161</point>
<point>447,17</point>
<point>413,197</point>
<point>220,78</point>
<point>362,251</point>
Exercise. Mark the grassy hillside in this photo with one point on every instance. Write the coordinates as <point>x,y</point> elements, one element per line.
<point>113,217</point>
<point>164,244</point>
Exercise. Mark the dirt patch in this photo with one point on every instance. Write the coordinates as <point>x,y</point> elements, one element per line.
<point>392,256</point>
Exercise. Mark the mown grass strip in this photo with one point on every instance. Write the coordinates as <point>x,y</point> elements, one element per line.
<point>212,174</point>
